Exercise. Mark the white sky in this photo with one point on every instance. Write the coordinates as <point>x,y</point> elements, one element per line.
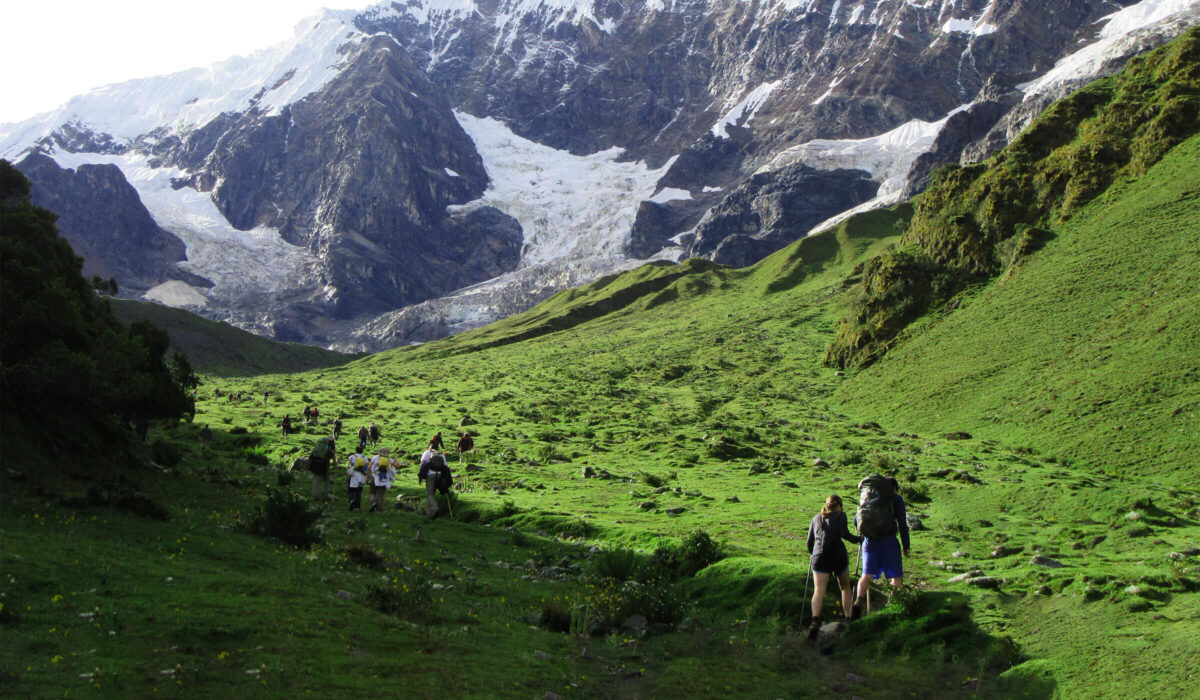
<point>52,50</point>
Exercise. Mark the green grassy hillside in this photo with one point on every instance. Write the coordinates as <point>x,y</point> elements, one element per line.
<point>220,349</point>
<point>615,423</point>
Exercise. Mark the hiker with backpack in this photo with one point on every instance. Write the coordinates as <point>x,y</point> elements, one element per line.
<point>358,473</point>
<point>435,474</point>
<point>323,454</point>
<point>374,434</point>
<point>337,428</point>
<point>362,438</point>
<point>435,442</point>
<point>465,444</point>
<point>881,515</point>
<point>829,558</point>
<point>383,473</point>
<point>206,436</point>
<point>286,424</point>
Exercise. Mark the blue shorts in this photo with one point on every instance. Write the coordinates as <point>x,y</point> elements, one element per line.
<point>881,557</point>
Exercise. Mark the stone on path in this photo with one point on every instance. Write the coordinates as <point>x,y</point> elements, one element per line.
<point>1047,562</point>
<point>969,575</point>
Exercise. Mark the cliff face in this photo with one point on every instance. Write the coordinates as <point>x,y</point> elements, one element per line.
<point>397,158</point>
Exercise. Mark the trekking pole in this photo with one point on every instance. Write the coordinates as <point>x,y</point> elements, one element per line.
<point>449,506</point>
<point>807,602</point>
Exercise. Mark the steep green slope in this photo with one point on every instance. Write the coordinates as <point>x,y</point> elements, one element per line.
<point>222,350</point>
<point>974,222</point>
<point>1089,349</point>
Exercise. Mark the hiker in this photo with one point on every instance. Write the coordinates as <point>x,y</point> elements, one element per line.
<point>829,558</point>
<point>337,428</point>
<point>286,424</point>
<point>205,438</point>
<point>324,453</point>
<point>316,415</point>
<point>362,438</point>
<point>435,474</point>
<point>435,442</point>
<point>374,434</point>
<point>881,514</point>
<point>357,472</point>
<point>307,413</point>
<point>382,474</point>
<point>465,444</point>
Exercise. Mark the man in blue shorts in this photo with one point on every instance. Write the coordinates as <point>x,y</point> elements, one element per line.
<point>880,548</point>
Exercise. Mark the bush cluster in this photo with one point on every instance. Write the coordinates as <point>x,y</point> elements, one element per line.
<point>286,516</point>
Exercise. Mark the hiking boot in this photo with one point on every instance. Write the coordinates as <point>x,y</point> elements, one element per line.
<point>856,612</point>
<point>814,629</point>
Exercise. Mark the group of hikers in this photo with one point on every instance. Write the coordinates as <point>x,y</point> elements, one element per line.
<point>881,517</point>
<point>377,472</point>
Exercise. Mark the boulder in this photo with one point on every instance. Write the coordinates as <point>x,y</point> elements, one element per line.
<point>588,473</point>
<point>974,573</point>
<point>648,505</point>
<point>733,499</point>
<point>473,468</point>
<point>466,421</point>
<point>830,633</point>
<point>635,625</point>
<point>345,595</point>
<point>1004,551</point>
<point>914,523</point>
<point>984,582</point>
<point>1047,562</point>
<point>820,463</point>
<point>678,510</point>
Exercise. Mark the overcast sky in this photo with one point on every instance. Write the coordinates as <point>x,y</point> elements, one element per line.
<point>52,50</point>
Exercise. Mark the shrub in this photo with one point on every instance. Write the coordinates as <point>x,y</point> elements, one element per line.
<point>238,430</point>
<point>620,564</point>
<point>285,477</point>
<point>652,480</point>
<point>256,455</point>
<point>904,601</point>
<point>698,551</point>
<point>364,556</point>
<point>408,595</point>
<point>166,453</point>
<point>287,517</point>
<point>611,603</point>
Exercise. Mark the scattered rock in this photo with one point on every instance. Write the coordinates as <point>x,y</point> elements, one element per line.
<point>830,633</point>
<point>958,555</point>
<point>1133,590</point>
<point>984,582</point>
<point>854,678</point>
<point>419,537</point>
<point>465,421</point>
<point>914,523</point>
<point>776,473</point>
<point>944,566</point>
<point>820,463</point>
<point>790,485</point>
<point>345,595</point>
<point>648,505</point>
<point>635,625</point>
<point>957,435</point>
<point>968,478</point>
<point>985,523</point>
<point>1047,562</point>
<point>1191,552</point>
<point>1005,551</point>
<point>661,489</point>
<point>1043,590</point>
<point>541,656</point>
<point>1177,556</point>
<point>586,653</point>
<point>693,494</point>
<point>678,510</point>
<point>474,468</point>
<point>1133,515</point>
<point>588,473</point>
<point>733,499</point>
<point>974,573</point>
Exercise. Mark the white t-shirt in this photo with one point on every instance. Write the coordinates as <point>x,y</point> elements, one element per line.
<point>383,477</point>
<point>357,478</point>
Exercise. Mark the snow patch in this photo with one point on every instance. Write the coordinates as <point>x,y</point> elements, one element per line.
<point>670,194</point>
<point>241,264</point>
<point>570,207</point>
<point>451,173</point>
<point>969,26</point>
<point>176,294</point>
<point>1089,60</point>
<point>743,112</point>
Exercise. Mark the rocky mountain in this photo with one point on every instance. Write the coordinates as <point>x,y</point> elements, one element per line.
<point>426,166</point>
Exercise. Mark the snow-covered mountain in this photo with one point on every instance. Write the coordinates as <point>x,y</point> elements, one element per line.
<point>427,166</point>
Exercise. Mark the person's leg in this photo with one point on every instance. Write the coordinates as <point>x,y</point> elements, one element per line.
<point>820,585</point>
<point>844,586</point>
<point>431,506</point>
<point>897,581</point>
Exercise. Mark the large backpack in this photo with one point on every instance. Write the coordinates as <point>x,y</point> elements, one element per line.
<point>876,518</point>
<point>323,450</point>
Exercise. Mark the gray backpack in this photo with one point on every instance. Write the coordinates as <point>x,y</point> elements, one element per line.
<point>876,518</point>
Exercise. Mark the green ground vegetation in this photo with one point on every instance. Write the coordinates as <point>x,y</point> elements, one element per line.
<point>632,520</point>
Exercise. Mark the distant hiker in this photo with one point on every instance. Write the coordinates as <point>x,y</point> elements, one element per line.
<point>217,393</point>
<point>362,438</point>
<point>465,444</point>
<point>286,424</point>
<point>383,473</point>
<point>266,395</point>
<point>829,558</point>
<point>435,474</point>
<point>435,442</point>
<point>205,438</point>
<point>316,415</point>
<point>374,434</point>
<point>307,413</point>
<point>358,474</point>
<point>337,428</point>
<point>881,514</point>
<point>324,453</point>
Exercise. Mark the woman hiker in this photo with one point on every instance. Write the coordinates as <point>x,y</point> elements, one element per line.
<point>383,473</point>
<point>829,558</point>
